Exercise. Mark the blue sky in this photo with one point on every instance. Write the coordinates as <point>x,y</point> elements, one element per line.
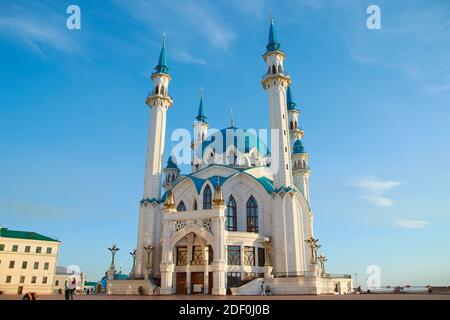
<point>375,109</point>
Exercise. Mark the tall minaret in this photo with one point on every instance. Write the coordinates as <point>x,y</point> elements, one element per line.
<point>276,82</point>
<point>159,102</point>
<point>295,132</point>
<point>200,134</point>
<point>149,230</point>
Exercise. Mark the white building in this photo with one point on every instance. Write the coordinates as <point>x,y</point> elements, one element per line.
<point>27,262</point>
<point>242,216</point>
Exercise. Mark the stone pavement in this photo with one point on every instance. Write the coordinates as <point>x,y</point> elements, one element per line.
<point>231,298</point>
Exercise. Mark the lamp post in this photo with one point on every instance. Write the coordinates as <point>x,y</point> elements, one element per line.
<point>148,249</point>
<point>313,244</point>
<point>322,260</point>
<point>114,248</point>
<point>133,254</point>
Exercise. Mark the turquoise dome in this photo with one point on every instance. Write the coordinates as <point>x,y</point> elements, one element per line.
<point>298,147</point>
<point>251,141</point>
<point>171,164</point>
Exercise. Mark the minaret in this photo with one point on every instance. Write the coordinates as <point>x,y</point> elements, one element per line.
<point>295,132</point>
<point>171,172</point>
<point>200,134</point>
<point>301,171</point>
<point>149,232</point>
<point>276,82</point>
<point>159,102</point>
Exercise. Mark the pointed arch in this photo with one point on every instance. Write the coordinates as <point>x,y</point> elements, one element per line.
<point>207,197</point>
<point>280,68</point>
<point>274,69</point>
<point>231,216</point>
<point>252,215</point>
<point>181,206</point>
<point>195,206</point>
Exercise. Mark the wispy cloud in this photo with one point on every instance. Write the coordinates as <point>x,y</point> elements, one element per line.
<point>183,56</point>
<point>38,29</point>
<point>198,22</point>
<point>415,42</point>
<point>374,190</point>
<point>410,224</point>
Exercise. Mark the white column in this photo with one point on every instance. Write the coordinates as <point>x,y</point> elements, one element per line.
<point>219,263</point>
<point>167,266</point>
<point>190,246</point>
<point>206,269</point>
<point>155,151</point>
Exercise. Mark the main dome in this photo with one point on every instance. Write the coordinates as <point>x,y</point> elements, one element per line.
<point>242,140</point>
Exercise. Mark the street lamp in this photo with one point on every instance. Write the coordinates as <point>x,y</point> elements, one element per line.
<point>133,254</point>
<point>114,248</point>
<point>322,260</point>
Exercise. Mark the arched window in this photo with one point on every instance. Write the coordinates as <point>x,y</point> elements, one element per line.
<point>181,206</point>
<point>274,69</point>
<point>252,215</point>
<point>156,90</point>
<point>291,126</point>
<point>280,69</point>
<point>207,198</point>
<point>194,207</point>
<point>231,219</point>
<point>268,71</point>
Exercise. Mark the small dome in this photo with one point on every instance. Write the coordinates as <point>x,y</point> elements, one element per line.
<point>298,147</point>
<point>171,164</point>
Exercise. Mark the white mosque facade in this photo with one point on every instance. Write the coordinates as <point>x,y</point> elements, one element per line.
<point>242,217</point>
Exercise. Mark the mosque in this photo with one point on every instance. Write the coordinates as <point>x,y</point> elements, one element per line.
<point>241,219</point>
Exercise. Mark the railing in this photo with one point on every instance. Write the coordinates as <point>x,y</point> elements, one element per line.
<point>286,74</point>
<point>294,274</point>
<point>336,275</point>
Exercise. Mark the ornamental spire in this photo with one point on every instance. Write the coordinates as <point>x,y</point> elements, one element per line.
<point>218,194</point>
<point>162,62</point>
<point>272,45</point>
<point>231,119</point>
<point>201,110</point>
<point>290,99</point>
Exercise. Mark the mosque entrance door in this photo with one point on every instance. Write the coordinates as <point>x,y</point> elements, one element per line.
<point>181,282</point>
<point>197,281</point>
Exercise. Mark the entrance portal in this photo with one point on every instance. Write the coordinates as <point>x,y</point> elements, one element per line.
<point>197,282</point>
<point>181,283</point>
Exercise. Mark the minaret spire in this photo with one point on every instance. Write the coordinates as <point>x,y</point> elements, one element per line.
<point>231,119</point>
<point>201,109</point>
<point>162,61</point>
<point>273,44</point>
<point>290,100</point>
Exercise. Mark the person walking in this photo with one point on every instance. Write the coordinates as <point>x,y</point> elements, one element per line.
<point>263,289</point>
<point>71,285</point>
<point>66,289</point>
